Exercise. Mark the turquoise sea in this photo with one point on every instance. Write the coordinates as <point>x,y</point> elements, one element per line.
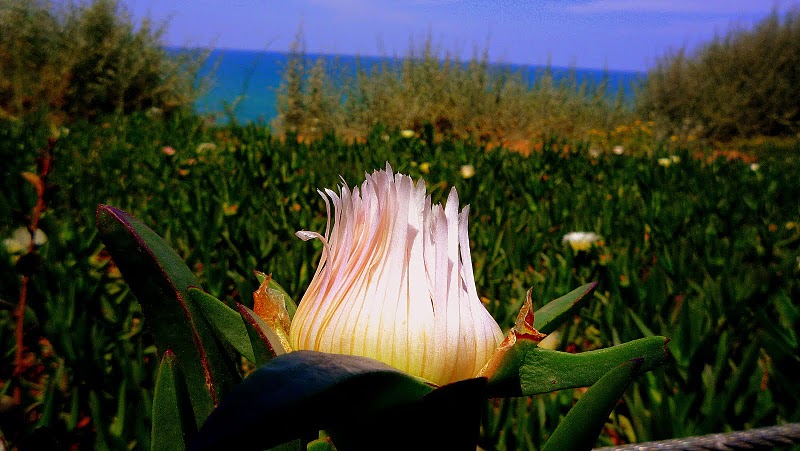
<point>246,82</point>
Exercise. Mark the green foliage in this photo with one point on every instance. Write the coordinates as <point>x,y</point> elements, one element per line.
<point>227,324</point>
<point>161,283</point>
<point>304,391</point>
<point>740,85</point>
<point>554,313</point>
<point>580,428</point>
<point>353,398</point>
<point>531,370</point>
<point>468,100</point>
<point>173,424</point>
<point>80,60</point>
<point>703,252</point>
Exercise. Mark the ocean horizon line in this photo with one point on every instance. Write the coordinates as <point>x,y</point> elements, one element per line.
<point>245,83</point>
<point>498,62</point>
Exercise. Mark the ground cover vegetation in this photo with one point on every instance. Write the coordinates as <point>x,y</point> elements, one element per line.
<point>700,248</point>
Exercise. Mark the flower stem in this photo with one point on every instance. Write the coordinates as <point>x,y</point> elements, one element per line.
<point>44,165</point>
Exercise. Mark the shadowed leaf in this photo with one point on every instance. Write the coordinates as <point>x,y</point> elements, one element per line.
<point>304,391</point>
<point>265,342</point>
<point>447,418</point>
<point>173,422</point>
<point>225,321</point>
<point>161,280</point>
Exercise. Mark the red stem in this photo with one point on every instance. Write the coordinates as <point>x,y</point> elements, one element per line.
<point>45,164</point>
<point>19,313</point>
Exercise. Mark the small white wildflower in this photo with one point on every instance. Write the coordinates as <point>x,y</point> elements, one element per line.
<point>580,241</point>
<point>21,239</point>
<point>467,171</point>
<point>594,152</point>
<point>755,167</point>
<point>407,133</point>
<point>618,150</point>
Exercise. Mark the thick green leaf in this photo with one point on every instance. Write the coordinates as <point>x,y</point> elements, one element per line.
<point>264,341</point>
<point>554,313</point>
<point>225,321</point>
<point>321,444</point>
<point>161,280</point>
<point>527,369</point>
<point>49,413</point>
<point>298,445</point>
<point>173,422</point>
<point>302,392</point>
<point>584,422</point>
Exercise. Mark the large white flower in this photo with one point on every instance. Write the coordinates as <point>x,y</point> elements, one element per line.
<point>395,283</point>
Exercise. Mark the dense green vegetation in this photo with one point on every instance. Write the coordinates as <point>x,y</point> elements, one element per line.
<point>704,253</point>
<point>703,250</point>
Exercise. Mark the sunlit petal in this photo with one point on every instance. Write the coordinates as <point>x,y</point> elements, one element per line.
<point>395,283</point>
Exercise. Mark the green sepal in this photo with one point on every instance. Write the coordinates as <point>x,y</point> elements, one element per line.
<point>225,321</point>
<point>584,422</point>
<point>527,369</point>
<point>264,340</point>
<point>291,306</point>
<point>297,394</point>
<point>554,313</point>
<point>173,421</point>
<point>161,280</point>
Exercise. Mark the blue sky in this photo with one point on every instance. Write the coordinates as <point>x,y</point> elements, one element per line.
<point>613,34</point>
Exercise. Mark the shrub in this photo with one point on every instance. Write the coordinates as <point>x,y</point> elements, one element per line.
<point>86,59</point>
<point>467,100</point>
<point>743,84</point>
